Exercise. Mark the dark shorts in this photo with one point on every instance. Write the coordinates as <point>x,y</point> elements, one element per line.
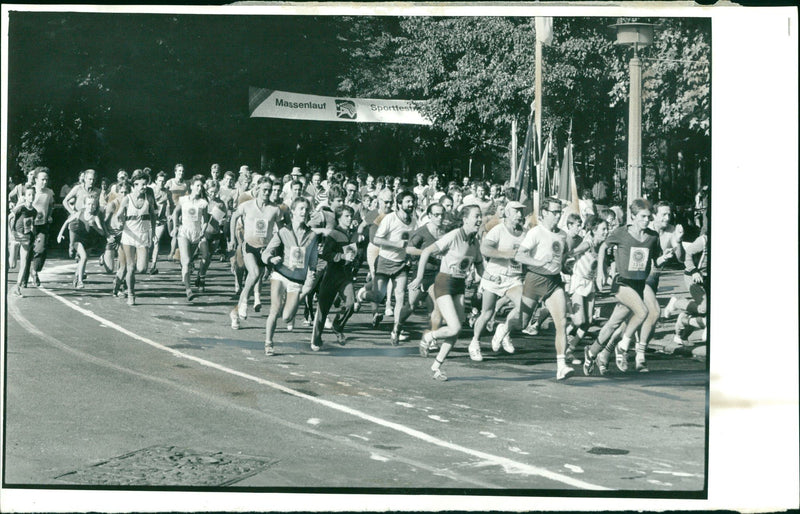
<point>445,284</point>
<point>540,287</point>
<point>636,285</point>
<point>255,252</point>
<point>652,281</point>
<point>428,279</point>
<point>388,268</point>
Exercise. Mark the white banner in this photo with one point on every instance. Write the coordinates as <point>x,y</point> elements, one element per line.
<point>269,103</point>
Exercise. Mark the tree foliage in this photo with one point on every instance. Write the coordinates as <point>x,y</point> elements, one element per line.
<point>108,91</point>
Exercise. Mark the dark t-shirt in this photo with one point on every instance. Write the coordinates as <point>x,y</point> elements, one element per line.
<point>23,221</point>
<point>634,257</point>
<point>340,241</point>
<point>421,239</point>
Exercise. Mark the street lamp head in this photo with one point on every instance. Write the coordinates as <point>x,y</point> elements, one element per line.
<point>634,34</point>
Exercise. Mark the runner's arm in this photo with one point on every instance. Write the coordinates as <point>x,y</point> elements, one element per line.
<point>66,201</point>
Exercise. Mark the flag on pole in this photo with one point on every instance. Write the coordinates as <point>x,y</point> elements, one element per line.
<point>569,188</point>
<point>525,176</point>
<point>544,29</point>
<point>544,167</point>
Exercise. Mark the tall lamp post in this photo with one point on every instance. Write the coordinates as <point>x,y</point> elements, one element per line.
<point>636,35</point>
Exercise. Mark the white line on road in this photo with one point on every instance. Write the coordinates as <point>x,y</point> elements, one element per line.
<point>511,466</point>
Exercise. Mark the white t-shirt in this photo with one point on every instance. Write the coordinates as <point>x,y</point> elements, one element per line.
<point>458,252</point>
<point>501,239</point>
<point>544,245</point>
<point>394,229</point>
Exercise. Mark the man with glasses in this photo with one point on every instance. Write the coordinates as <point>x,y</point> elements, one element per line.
<point>422,238</point>
<point>543,252</point>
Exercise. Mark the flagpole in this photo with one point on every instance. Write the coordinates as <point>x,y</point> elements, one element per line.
<point>537,114</point>
<point>513,176</point>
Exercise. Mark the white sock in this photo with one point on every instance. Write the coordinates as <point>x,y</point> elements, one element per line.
<point>624,343</point>
<point>560,361</point>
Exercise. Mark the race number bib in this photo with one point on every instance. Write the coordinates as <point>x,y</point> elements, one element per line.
<point>514,267</point>
<point>639,258</point>
<point>260,227</point>
<point>461,268</point>
<point>194,213</point>
<point>556,251</point>
<point>297,257</point>
<point>349,252</point>
<point>27,225</point>
<point>39,218</point>
<point>217,213</point>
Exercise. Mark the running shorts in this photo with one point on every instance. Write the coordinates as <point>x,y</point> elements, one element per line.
<point>636,285</point>
<point>255,251</point>
<point>499,285</point>
<point>652,281</point>
<point>540,287</point>
<point>446,284</point>
<point>389,268</point>
<point>290,285</point>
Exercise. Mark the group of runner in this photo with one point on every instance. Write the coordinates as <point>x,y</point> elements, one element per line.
<point>425,246</point>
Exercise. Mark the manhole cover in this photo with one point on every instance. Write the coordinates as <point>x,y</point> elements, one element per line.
<point>169,466</point>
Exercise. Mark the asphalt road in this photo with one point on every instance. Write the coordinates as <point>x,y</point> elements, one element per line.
<point>166,394</point>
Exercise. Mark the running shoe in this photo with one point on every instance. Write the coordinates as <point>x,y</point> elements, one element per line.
<point>507,346</point>
<point>439,375</point>
<point>588,362</point>
<point>531,330</point>
<point>257,306</point>
<point>564,373</point>
<point>602,364</point>
<point>404,336</point>
<point>569,355</point>
<point>621,358</point>
<point>340,337</point>
<point>641,365</point>
<point>679,341</point>
<point>475,351</point>
<point>669,310</point>
<point>79,285</point>
<point>328,324</point>
<point>269,349</point>
<point>131,300</point>
<point>314,347</point>
<point>17,291</point>
<point>425,343</point>
<point>499,334</point>
<point>234,319</point>
<point>473,317</point>
<point>388,312</point>
<point>289,327</point>
<point>117,285</point>
<point>376,319</point>
<point>189,294</point>
<point>153,271</point>
<point>243,310</point>
<point>395,338</point>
